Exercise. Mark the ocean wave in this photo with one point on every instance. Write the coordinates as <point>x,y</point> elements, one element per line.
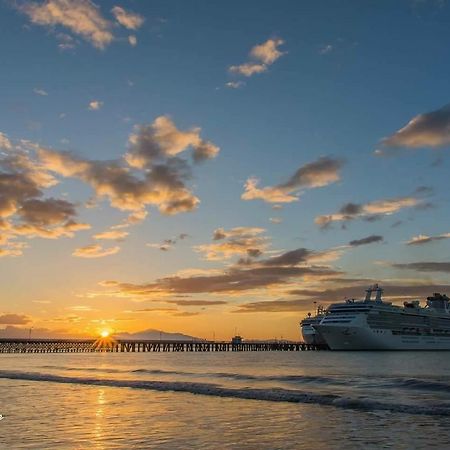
<point>224,375</point>
<point>86,369</point>
<point>382,382</point>
<point>243,376</point>
<point>420,384</point>
<point>271,395</point>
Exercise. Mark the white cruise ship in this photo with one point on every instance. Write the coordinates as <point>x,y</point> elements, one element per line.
<point>307,326</point>
<point>374,324</point>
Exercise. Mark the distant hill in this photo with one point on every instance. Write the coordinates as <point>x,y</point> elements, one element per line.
<point>13,332</point>
<point>156,335</point>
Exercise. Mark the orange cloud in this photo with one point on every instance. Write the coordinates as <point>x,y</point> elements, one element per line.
<point>95,251</point>
<point>242,241</point>
<point>111,235</point>
<point>157,176</point>
<point>127,19</point>
<point>351,211</point>
<point>82,17</point>
<point>261,57</point>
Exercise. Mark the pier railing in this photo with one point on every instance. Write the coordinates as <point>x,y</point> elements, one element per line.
<point>110,345</point>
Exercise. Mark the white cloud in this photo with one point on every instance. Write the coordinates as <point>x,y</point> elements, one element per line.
<point>326,49</point>
<point>95,105</point>
<point>235,84</point>
<point>66,41</point>
<point>424,239</point>
<point>275,220</point>
<point>132,40</point>
<point>40,92</point>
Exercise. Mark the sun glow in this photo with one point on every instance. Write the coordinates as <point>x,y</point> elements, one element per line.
<point>104,334</point>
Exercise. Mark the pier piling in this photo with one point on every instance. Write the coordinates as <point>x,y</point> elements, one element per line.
<point>124,346</point>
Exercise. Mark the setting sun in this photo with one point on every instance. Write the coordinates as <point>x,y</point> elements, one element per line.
<point>104,334</point>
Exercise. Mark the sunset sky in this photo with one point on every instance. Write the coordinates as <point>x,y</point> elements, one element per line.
<point>204,167</point>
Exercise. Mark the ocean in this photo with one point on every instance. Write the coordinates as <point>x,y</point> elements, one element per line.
<point>242,400</point>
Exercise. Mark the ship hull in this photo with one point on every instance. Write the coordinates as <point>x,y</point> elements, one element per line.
<point>363,338</point>
<point>311,335</point>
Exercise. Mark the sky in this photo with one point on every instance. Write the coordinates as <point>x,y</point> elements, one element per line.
<point>217,167</point>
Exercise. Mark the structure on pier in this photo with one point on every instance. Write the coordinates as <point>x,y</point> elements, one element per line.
<point>111,345</point>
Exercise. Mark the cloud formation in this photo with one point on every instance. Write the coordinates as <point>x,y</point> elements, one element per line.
<point>81,17</point>
<point>351,288</point>
<point>41,92</point>
<point>241,241</point>
<point>95,105</point>
<point>197,302</point>
<point>95,251</point>
<point>113,234</point>
<point>368,211</point>
<point>356,290</point>
<point>161,139</point>
<point>367,240</point>
<point>235,84</point>
<point>5,143</point>
<point>152,172</point>
<point>424,266</point>
<point>132,39</point>
<point>430,129</point>
<point>127,19</point>
<point>261,57</point>
<point>23,209</point>
<point>168,244</point>
<point>273,306</point>
<point>319,173</point>
<point>279,271</point>
<point>14,319</point>
<point>424,239</point>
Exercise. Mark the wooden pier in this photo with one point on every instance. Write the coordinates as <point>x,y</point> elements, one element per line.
<point>120,346</point>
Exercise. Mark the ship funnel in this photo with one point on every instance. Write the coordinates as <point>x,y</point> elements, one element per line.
<point>379,292</point>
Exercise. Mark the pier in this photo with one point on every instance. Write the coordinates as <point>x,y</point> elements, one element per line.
<point>122,346</point>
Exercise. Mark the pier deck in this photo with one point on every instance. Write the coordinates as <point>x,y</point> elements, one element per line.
<point>117,346</point>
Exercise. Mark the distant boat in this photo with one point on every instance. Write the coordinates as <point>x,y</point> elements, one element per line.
<point>375,324</point>
<point>237,339</point>
<point>309,333</point>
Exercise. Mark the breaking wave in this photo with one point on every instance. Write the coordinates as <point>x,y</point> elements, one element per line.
<point>418,384</point>
<point>386,382</point>
<point>225,375</point>
<point>262,394</point>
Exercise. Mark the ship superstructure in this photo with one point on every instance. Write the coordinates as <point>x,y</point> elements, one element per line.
<point>375,324</point>
<point>307,327</point>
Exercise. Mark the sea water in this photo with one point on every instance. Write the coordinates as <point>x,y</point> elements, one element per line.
<point>236,400</point>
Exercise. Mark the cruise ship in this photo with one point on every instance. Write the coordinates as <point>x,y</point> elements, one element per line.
<point>375,324</point>
<point>307,326</point>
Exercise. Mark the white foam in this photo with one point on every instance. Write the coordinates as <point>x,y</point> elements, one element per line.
<point>271,395</point>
